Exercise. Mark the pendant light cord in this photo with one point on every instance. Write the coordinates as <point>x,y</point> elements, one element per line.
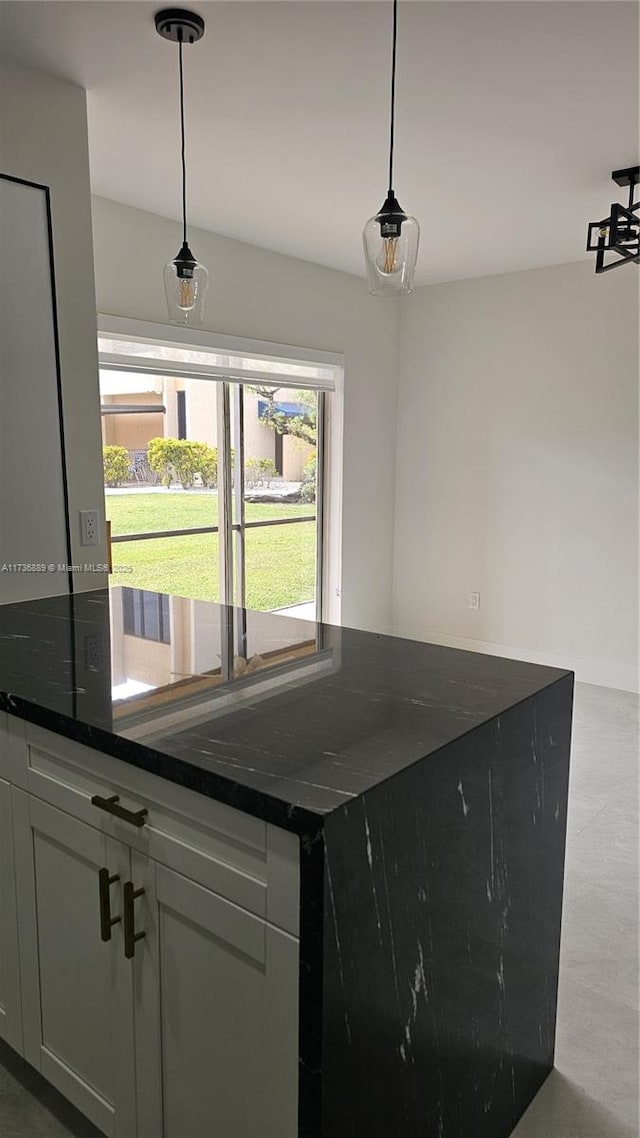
<point>182,147</point>
<point>393,93</point>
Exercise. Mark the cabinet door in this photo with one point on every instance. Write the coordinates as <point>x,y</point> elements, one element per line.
<point>10,1003</point>
<point>218,987</point>
<point>76,988</point>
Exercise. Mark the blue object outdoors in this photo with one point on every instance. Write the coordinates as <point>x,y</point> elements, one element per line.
<point>291,410</point>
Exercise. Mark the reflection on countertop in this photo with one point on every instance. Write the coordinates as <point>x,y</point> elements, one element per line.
<point>178,661</point>
<point>282,717</point>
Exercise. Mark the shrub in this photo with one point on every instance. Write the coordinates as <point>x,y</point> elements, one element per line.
<point>208,468</point>
<point>181,459</point>
<point>115,462</point>
<point>189,459</point>
<point>308,485</point>
<point>259,470</point>
<point>159,458</point>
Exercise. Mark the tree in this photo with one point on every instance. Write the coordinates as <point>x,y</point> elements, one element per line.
<point>303,426</point>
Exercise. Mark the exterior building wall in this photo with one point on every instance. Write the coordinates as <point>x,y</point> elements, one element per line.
<point>171,387</point>
<point>148,660</point>
<point>295,453</point>
<point>132,431</point>
<point>202,415</point>
<point>259,440</point>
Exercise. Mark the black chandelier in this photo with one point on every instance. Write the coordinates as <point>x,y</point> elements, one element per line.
<point>618,234</point>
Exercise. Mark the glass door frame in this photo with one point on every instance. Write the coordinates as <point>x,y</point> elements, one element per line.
<point>233,545</point>
<point>232,525</point>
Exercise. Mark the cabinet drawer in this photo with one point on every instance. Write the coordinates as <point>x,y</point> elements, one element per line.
<point>236,855</point>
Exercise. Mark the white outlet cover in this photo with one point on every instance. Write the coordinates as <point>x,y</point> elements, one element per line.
<point>89,527</point>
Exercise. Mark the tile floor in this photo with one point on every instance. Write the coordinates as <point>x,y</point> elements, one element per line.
<point>593,1093</point>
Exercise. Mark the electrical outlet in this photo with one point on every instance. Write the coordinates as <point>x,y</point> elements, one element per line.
<point>474,601</point>
<point>89,524</point>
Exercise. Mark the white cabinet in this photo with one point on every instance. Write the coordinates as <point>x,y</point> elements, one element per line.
<point>10,1005</point>
<point>158,993</point>
<point>218,986</point>
<point>77,988</point>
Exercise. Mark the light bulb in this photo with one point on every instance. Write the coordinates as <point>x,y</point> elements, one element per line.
<point>185,285</point>
<point>186,294</point>
<point>391,248</point>
<point>387,260</point>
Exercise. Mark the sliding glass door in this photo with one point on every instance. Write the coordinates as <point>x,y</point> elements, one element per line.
<point>213,485</point>
<point>276,516</point>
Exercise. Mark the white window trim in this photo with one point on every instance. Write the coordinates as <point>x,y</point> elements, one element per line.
<point>168,335</point>
<point>172,334</point>
<point>190,370</point>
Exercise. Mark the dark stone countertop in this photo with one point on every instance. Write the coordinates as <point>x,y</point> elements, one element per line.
<point>282,718</point>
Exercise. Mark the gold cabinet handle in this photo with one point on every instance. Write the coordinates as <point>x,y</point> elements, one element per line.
<point>129,895</point>
<point>112,806</point>
<point>105,881</point>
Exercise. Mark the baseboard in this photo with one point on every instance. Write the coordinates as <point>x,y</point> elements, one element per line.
<point>604,673</point>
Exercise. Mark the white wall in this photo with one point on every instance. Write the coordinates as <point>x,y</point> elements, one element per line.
<point>268,296</point>
<point>517,468</point>
<point>44,140</point>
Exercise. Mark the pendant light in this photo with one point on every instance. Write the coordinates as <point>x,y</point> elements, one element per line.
<point>391,237</point>
<point>619,233</point>
<point>185,280</point>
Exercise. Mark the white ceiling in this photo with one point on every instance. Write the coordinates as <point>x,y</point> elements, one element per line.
<point>511,117</point>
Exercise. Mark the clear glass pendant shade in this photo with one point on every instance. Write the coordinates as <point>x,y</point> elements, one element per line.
<point>185,288</point>
<point>185,280</point>
<point>391,238</point>
<point>391,252</point>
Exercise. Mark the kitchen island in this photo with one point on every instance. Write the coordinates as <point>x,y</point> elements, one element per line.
<point>323,868</point>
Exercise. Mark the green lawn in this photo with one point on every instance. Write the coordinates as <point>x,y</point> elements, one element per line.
<point>280,560</point>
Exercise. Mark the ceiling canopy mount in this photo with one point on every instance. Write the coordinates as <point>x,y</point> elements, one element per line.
<point>179,25</point>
